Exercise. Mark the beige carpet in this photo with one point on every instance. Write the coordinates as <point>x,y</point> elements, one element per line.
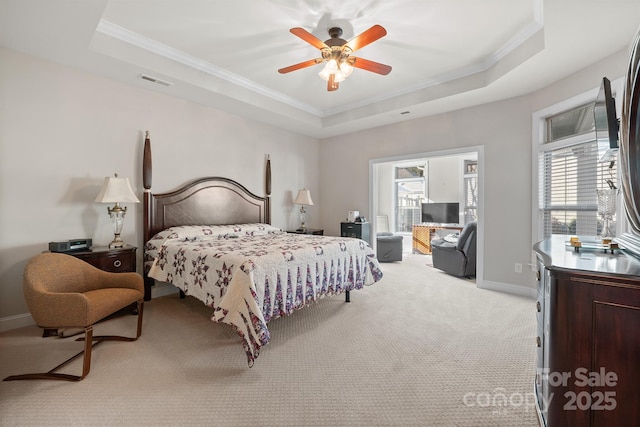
<point>419,348</point>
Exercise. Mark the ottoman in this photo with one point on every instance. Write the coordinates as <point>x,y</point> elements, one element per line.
<point>388,247</point>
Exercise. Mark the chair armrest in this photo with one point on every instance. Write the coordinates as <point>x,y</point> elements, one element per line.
<point>58,310</point>
<point>129,280</point>
<point>443,245</point>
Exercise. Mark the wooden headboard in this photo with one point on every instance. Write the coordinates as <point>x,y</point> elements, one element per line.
<point>203,201</point>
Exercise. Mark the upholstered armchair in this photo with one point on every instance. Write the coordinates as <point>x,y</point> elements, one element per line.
<point>457,258</point>
<point>62,292</point>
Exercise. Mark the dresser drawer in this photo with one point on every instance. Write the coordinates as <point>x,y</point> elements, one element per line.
<point>359,230</point>
<point>112,260</point>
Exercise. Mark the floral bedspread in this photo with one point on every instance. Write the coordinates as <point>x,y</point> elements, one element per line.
<point>252,273</point>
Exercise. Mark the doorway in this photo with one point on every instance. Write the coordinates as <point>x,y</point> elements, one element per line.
<point>399,185</point>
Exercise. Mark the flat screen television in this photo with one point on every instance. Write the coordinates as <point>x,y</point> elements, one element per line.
<point>443,213</point>
<point>606,123</point>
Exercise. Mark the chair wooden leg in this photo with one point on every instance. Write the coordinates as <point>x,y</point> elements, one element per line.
<point>140,310</point>
<point>88,345</point>
<point>89,342</point>
<point>101,338</point>
<point>52,375</point>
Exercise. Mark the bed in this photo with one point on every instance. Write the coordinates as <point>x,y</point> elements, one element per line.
<point>213,239</point>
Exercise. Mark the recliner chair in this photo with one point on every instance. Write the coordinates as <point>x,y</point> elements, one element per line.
<point>459,258</point>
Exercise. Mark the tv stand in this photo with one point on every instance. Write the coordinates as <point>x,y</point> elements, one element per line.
<point>422,234</point>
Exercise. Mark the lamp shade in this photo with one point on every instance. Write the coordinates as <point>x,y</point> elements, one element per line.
<point>116,190</point>
<point>303,197</point>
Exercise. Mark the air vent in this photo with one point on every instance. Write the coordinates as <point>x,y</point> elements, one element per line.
<point>155,80</point>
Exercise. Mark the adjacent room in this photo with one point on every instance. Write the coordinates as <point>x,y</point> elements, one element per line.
<point>308,213</point>
<point>420,198</point>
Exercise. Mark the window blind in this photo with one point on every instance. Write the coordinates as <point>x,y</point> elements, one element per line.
<point>471,198</point>
<point>570,178</point>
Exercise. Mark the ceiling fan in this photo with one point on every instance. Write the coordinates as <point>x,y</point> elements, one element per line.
<point>336,52</point>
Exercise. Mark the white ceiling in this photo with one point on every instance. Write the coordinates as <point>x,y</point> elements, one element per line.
<point>445,54</point>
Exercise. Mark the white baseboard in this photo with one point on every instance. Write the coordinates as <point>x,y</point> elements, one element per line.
<point>509,289</point>
<point>15,322</point>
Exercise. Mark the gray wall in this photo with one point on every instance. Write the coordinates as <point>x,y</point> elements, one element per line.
<point>504,128</point>
<point>62,131</point>
<point>443,180</point>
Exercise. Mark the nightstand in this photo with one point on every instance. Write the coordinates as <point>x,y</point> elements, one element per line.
<point>359,230</point>
<point>118,260</point>
<point>315,231</point>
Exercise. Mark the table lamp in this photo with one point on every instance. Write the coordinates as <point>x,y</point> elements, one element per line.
<point>116,190</point>
<point>303,199</point>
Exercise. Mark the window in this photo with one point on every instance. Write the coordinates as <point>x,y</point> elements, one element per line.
<point>576,193</point>
<point>470,191</point>
<point>578,121</point>
<point>410,192</point>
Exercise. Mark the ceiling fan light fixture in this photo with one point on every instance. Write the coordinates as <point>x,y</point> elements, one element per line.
<point>324,75</point>
<point>346,68</point>
<point>340,71</point>
<point>336,52</point>
<point>330,68</point>
<point>332,84</point>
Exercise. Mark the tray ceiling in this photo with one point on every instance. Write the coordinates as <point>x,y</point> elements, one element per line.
<point>445,54</point>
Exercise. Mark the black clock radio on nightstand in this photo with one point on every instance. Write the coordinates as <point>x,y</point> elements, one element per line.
<point>70,245</point>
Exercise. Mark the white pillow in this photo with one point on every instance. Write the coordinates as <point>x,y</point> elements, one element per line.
<point>452,238</point>
<point>182,232</point>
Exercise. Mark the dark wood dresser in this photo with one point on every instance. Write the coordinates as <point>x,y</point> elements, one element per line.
<point>588,361</point>
<point>113,260</point>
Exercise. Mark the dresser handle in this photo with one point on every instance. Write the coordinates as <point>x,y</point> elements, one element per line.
<point>117,263</point>
<point>538,342</point>
<point>538,275</point>
<point>538,306</point>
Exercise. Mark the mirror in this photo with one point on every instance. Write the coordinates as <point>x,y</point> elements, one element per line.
<point>630,149</point>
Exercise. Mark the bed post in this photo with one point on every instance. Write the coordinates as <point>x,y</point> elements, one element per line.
<point>146,183</point>
<point>267,180</point>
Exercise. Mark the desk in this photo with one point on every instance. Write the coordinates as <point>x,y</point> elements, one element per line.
<point>422,235</point>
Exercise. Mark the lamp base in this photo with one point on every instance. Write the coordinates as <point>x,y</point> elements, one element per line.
<point>303,227</point>
<point>116,243</point>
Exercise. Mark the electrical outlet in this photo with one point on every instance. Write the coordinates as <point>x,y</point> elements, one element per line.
<point>518,267</point>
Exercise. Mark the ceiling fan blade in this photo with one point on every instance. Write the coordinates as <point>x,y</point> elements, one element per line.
<point>372,66</point>
<point>332,84</point>
<point>304,64</point>
<point>308,37</point>
<point>367,37</point>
